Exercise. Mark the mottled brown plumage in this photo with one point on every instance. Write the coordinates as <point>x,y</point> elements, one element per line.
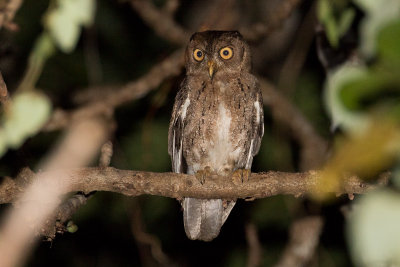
<point>217,123</point>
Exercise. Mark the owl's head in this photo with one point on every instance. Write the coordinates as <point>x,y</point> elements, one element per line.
<point>211,53</point>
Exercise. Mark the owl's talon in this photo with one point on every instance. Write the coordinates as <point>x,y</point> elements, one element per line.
<point>246,175</point>
<point>202,175</point>
<point>241,176</point>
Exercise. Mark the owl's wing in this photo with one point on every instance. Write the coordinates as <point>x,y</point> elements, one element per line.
<point>176,127</point>
<point>257,128</point>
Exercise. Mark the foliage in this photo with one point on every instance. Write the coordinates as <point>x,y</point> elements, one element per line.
<point>362,97</point>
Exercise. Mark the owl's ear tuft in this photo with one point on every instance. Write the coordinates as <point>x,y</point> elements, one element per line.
<point>237,34</point>
<point>192,37</point>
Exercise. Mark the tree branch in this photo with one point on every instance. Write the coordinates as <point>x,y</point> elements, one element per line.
<point>314,147</point>
<point>7,13</point>
<point>161,22</point>
<point>174,185</point>
<point>304,237</point>
<point>4,95</point>
<point>259,30</point>
<point>105,103</point>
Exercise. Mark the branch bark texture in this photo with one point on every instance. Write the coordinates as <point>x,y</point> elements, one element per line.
<point>135,183</point>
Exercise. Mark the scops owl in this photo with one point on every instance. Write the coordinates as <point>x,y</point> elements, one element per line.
<point>217,123</point>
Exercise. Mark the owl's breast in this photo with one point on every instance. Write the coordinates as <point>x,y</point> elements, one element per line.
<point>215,133</point>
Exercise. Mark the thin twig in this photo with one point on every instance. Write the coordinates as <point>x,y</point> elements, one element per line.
<point>304,237</point>
<point>298,52</point>
<point>148,240</point>
<point>170,7</point>
<point>4,96</point>
<point>106,154</point>
<point>255,249</point>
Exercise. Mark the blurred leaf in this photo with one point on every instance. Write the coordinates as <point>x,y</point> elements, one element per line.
<point>378,15</point>
<point>324,10</point>
<point>3,142</point>
<point>336,19</point>
<point>350,120</point>
<point>365,155</point>
<point>395,179</point>
<point>388,43</point>
<point>373,229</point>
<point>64,22</point>
<point>25,117</point>
<point>41,51</point>
<point>325,15</point>
<point>345,21</point>
<point>72,227</point>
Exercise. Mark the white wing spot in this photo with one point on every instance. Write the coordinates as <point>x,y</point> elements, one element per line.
<point>250,156</point>
<point>184,108</point>
<point>257,107</point>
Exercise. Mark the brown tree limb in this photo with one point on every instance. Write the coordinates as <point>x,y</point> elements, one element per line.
<point>260,30</point>
<point>161,22</point>
<point>7,12</point>
<point>297,55</point>
<point>105,103</point>
<point>135,183</point>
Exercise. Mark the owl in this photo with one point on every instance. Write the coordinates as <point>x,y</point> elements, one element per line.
<point>217,123</point>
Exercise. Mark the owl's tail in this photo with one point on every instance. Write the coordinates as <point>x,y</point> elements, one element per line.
<point>203,218</point>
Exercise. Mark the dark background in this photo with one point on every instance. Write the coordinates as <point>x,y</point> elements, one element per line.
<point>126,49</point>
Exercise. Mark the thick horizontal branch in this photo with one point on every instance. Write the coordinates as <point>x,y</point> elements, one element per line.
<point>135,183</point>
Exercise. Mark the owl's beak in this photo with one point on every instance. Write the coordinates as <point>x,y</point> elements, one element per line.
<point>210,68</point>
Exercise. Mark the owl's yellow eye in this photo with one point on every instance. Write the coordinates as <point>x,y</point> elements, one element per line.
<point>226,52</point>
<point>198,55</point>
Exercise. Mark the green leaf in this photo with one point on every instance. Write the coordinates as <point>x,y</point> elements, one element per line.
<point>388,43</point>
<point>351,121</point>
<point>25,117</point>
<point>378,15</point>
<point>65,21</point>
<point>3,142</point>
<point>324,10</point>
<point>332,32</point>
<point>72,227</point>
<point>373,229</point>
<point>345,21</point>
